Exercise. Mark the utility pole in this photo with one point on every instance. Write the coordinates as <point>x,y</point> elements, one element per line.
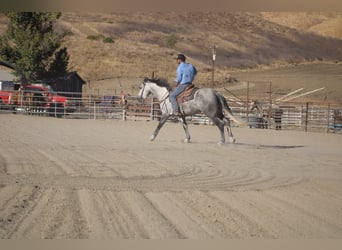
<point>213,65</point>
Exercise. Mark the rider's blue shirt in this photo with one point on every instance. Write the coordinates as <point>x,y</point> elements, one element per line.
<point>185,73</point>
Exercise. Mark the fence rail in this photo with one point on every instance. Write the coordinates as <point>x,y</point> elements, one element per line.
<point>322,117</point>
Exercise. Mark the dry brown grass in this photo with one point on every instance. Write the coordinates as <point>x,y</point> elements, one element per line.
<point>244,41</point>
<point>325,24</point>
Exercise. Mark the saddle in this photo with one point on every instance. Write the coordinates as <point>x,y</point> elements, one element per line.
<point>187,95</point>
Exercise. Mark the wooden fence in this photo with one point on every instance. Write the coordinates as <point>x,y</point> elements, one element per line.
<point>307,116</point>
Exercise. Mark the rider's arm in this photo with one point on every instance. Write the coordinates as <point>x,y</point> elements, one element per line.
<point>179,74</point>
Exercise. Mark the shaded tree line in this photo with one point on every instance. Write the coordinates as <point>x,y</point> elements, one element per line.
<point>32,45</point>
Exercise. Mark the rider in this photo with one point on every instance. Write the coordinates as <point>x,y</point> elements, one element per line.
<point>186,73</point>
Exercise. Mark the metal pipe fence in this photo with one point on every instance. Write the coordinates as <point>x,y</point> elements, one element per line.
<point>308,116</point>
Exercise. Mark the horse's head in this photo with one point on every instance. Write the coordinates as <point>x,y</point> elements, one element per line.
<point>156,86</point>
<point>144,89</point>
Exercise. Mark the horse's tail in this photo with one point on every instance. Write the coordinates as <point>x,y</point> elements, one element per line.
<point>225,106</point>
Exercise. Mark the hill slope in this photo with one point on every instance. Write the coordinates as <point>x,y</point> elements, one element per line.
<point>148,42</point>
<point>243,40</point>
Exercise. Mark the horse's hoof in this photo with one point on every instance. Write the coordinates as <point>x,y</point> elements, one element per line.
<point>152,138</point>
<point>232,140</point>
<point>221,143</point>
<point>186,140</point>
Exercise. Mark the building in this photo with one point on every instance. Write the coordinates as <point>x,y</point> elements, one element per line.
<point>6,81</point>
<point>6,75</point>
<point>70,85</point>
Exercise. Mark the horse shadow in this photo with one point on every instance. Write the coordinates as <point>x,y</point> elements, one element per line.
<point>266,146</point>
<point>250,145</point>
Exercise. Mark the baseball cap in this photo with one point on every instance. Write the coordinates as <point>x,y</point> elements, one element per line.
<point>181,57</point>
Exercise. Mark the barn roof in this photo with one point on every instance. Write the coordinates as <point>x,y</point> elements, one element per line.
<point>68,77</point>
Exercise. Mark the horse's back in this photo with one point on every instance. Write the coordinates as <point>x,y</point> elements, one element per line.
<point>204,101</point>
<point>208,93</point>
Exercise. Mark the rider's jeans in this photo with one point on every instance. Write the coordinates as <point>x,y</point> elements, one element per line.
<point>180,88</point>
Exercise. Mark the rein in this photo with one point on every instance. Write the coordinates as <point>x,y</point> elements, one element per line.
<point>164,97</point>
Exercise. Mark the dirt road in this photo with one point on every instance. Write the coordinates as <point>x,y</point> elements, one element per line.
<point>103,179</point>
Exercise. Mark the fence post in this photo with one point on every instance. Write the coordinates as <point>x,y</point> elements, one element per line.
<point>306,117</point>
<point>89,104</point>
<point>151,113</point>
<point>124,114</point>
<point>247,102</point>
<point>94,109</point>
<point>270,107</point>
<point>328,118</point>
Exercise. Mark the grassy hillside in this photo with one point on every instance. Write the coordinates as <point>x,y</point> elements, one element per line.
<point>132,45</point>
<point>244,40</point>
<point>325,24</point>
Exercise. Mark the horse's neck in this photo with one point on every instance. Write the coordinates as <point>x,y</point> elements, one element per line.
<point>160,93</point>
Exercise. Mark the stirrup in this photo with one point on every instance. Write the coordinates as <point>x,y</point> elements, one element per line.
<point>175,113</point>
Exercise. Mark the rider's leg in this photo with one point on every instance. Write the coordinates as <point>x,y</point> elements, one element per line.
<point>173,96</point>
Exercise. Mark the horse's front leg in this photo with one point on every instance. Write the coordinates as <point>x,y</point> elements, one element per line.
<point>162,121</point>
<point>186,130</point>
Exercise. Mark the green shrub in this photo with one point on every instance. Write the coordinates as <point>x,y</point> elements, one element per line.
<point>95,37</point>
<point>109,39</point>
<point>171,40</point>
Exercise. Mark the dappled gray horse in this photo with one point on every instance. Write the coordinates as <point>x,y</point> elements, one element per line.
<point>206,101</point>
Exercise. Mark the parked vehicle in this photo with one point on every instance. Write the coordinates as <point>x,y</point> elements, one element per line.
<point>38,99</point>
<point>6,88</point>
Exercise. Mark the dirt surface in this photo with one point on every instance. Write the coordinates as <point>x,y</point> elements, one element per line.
<point>103,179</point>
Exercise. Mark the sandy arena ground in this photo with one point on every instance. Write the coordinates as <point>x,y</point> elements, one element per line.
<point>103,179</point>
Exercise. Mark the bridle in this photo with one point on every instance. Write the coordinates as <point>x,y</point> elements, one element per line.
<point>143,89</point>
<point>162,100</point>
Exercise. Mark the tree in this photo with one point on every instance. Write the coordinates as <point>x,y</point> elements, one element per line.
<point>31,44</point>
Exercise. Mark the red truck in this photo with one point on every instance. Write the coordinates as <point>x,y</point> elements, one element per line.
<point>33,98</point>
<point>6,89</point>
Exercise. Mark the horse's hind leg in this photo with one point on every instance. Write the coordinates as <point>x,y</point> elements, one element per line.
<point>229,130</point>
<point>220,124</point>
<point>162,121</point>
<point>186,130</point>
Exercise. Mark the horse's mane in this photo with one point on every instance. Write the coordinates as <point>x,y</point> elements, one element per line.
<point>159,81</point>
